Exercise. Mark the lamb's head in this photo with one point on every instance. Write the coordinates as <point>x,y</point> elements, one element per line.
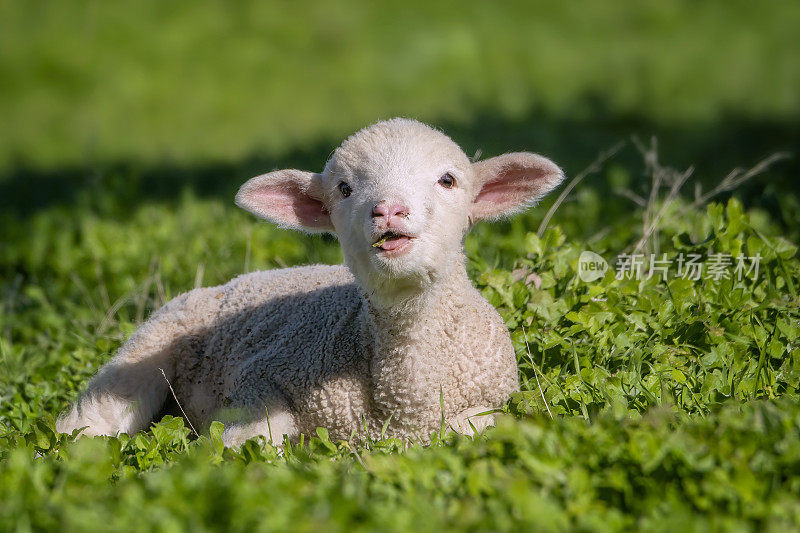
<point>400,196</point>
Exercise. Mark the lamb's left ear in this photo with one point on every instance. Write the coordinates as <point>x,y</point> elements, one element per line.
<point>288,198</point>
<point>512,182</point>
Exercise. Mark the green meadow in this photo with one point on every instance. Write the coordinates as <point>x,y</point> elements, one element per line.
<point>663,403</point>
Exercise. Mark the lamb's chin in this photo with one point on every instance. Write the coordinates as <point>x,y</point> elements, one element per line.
<point>400,267</point>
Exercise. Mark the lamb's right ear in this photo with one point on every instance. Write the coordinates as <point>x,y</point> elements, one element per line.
<point>286,198</point>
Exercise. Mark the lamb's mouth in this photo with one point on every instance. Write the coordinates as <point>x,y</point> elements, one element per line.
<point>392,243</point>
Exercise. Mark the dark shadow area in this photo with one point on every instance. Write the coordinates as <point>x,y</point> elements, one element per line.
<point>115,188</point>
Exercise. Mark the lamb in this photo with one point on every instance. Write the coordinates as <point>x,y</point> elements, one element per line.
<point>386,345</point>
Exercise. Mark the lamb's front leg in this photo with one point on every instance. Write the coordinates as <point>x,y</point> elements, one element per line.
<point>249,417</point>
<point>468,419</point>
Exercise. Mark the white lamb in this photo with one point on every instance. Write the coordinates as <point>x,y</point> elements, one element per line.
<point>398,335</point>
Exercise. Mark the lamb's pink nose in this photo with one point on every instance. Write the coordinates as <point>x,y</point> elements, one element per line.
<point>389,211</point>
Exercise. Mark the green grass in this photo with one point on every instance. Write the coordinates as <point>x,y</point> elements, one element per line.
<point>734,471</point>
<point>644,404</point>
<point>657,405</point>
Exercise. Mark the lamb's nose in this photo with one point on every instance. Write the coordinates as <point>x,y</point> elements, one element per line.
<point>389,211</point>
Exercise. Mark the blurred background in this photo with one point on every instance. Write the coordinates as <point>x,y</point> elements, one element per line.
<point>98,84</point>
<point>136,123</point>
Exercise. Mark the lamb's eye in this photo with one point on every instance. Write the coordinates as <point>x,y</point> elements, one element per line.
<point>345,189</point>
<point>447,181</point>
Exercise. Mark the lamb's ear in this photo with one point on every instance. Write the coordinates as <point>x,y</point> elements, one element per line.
<point>288,198</point>
<point>512,182</point>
